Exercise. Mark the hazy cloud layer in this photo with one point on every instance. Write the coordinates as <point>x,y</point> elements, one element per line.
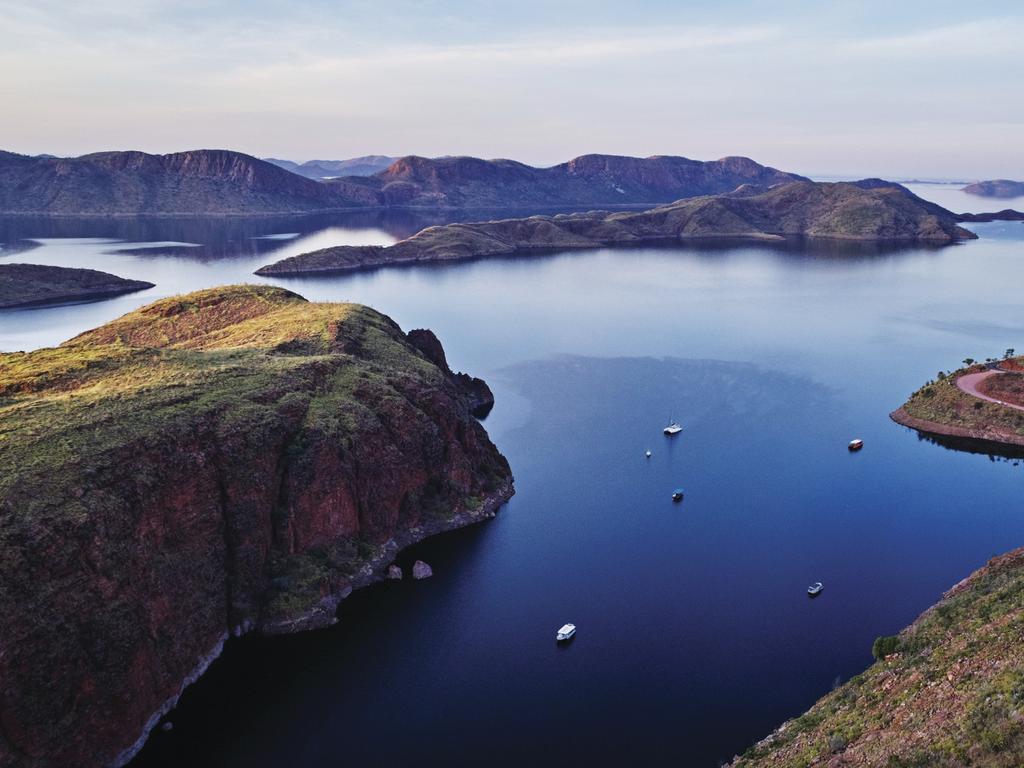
<point>896,89</point>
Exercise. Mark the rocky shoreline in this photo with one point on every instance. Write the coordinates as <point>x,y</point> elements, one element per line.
<point>324,614</point>
<point>988,435</point>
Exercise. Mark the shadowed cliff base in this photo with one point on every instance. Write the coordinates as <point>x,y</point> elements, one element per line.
<point>232,460</point>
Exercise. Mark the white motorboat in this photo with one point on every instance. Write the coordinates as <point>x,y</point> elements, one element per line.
<point>856,445</point>
<point>815,589</point>
<point>566,632</point>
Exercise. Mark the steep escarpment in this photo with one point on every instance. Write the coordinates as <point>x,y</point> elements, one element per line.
<point>947,691</point>
<point>867,212</point>
<point>469,182</point>
<point>996,188</point>
<point>25,285</point>
<point>132,183</point>
<point>236,459</point>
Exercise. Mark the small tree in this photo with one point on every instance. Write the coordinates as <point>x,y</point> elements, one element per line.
<point>1009,353</point>
<point>885,645</point>
<point>969,361</point>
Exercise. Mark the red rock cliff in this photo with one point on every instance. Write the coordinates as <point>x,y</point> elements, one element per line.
<point>230,460</point>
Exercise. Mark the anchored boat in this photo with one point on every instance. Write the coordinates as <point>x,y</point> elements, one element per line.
<point>677,494</point>
<point>673,428</point>
<point>856,445</point>
<point>815,589</point>
<point>566,632</point>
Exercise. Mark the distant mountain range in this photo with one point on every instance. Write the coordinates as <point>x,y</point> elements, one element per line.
<point>219,182</point>
<point>996,188</point>
<point>605,180</point>
<point>329,169</point>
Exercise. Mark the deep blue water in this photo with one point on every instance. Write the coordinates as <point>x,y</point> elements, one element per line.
<point>696,636</point>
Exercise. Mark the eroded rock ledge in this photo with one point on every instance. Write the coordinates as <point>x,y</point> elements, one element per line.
<point>234,460</point>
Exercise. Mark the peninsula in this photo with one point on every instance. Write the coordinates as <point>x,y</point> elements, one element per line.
<point>946,691</point>
<point>871,210</point>
<point>232,460</point>
<point>26,285</point>
<point>982,401</point>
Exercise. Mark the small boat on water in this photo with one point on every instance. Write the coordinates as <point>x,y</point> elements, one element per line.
<point>815,589</point>
<point>648,454</point>
<point>856,445</point>
<point>673,428</point>
<point>677,494</point>
<point>566,632</point>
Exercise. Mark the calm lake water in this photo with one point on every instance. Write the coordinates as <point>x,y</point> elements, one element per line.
<point>696,636</point>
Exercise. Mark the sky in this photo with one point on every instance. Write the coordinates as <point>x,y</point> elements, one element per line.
<point>901,89</point>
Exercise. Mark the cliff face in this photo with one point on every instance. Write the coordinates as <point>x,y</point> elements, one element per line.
<point>230,460</point>
<point>23,285</point>
<point>197,182</point>
<point>869,212</point>
<point>947,691</point>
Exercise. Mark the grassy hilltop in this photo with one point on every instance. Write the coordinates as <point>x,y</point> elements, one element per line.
<point>233,459</point>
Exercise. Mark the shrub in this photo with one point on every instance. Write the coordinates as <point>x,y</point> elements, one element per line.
<point>885,645</point>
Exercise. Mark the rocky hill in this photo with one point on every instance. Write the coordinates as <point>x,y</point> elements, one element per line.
<point>24,285</point>
<point>232,460</point>
<point>200,182</point>
<point>946,692</point>
<point>605,180</point>
<point>996,188</point>
<point>849,211</point>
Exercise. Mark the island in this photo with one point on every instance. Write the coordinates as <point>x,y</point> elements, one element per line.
<point>946,691</point>
<point>230,461</point>
<point>871,210</point>
<point>28,285</point>
<point>981,401</point>
<point>996,188</point>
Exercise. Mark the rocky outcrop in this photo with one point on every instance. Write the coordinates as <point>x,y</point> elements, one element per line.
<point>481,398</point>
<point>421,570</point>
<point>233,460</point>
<point>996,188</point>
<point>25,285</point>
<point>870,212</point>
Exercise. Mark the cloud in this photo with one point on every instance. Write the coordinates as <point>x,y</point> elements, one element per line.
<point>984,37</point>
